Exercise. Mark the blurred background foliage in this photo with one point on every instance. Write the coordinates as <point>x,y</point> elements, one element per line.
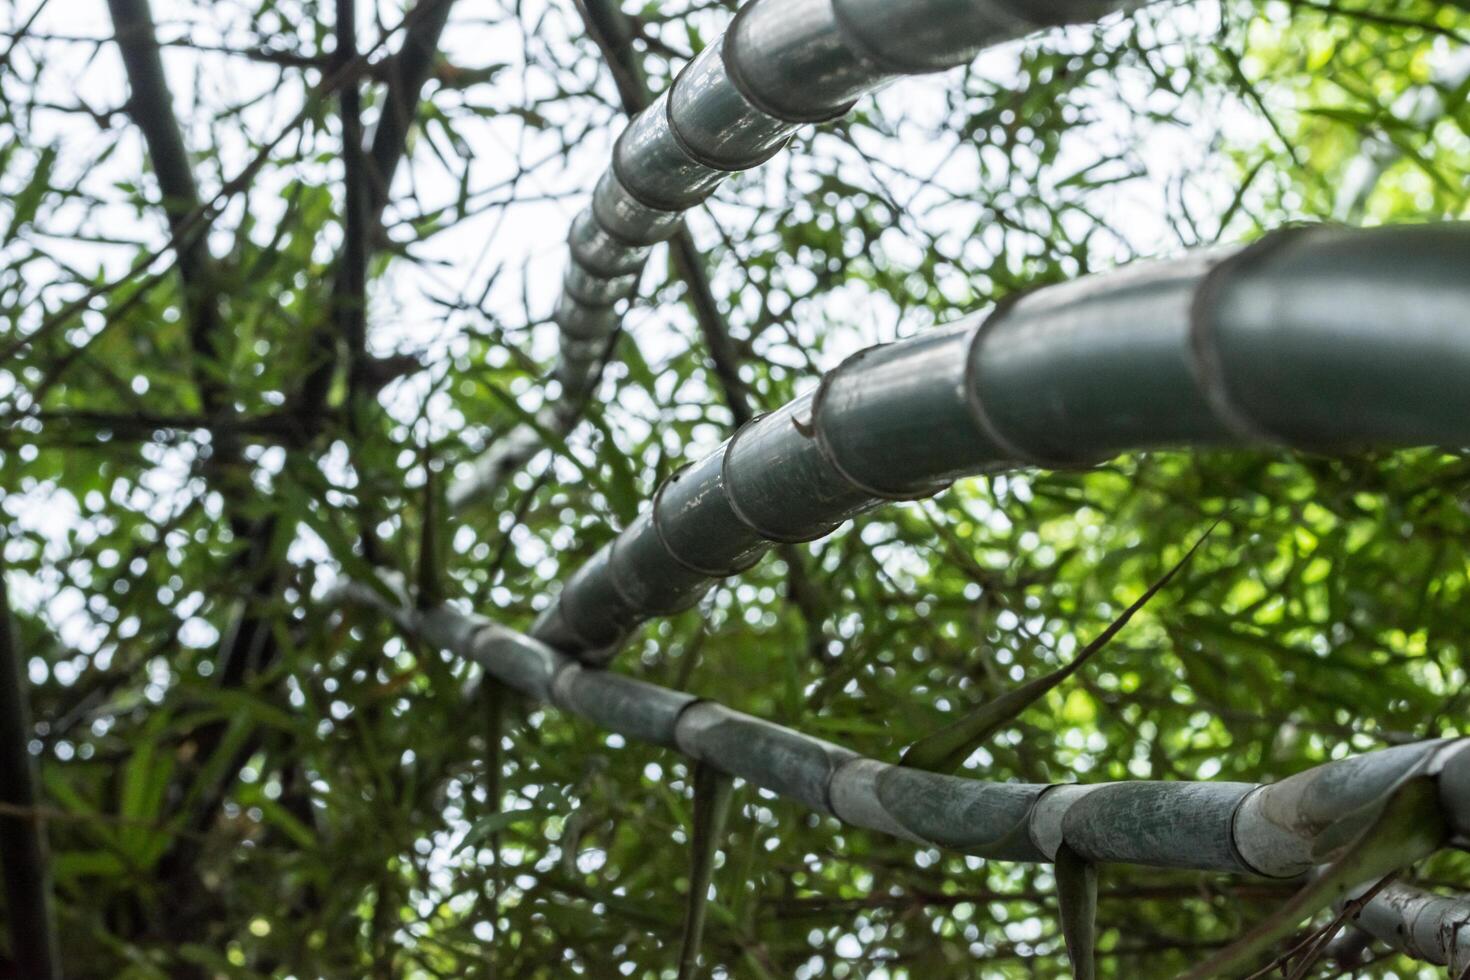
<point>240,782</point>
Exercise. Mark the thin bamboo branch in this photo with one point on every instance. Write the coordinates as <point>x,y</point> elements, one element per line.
<point>1278,830</point>
<point>23,858</point>
<point>781,64</point>
<point>1302,340</point>
<point>723,355</point>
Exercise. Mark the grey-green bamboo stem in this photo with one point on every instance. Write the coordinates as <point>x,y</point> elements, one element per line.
<point>780,65</point>
<point>1321,339</point>
<point>1421,924</point>
<point>1280,830</point>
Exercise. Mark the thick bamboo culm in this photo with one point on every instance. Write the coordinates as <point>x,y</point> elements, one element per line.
<point>1277,830</point>
<point>1319,339</point>
<point>1420,924</point>
<point>781,64</point>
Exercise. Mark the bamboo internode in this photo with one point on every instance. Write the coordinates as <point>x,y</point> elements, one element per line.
<point>1420,924</point>
<point>1302,340</point>
<point>780,65</point>
<point>1279,830</point>
<point>1317,339</point>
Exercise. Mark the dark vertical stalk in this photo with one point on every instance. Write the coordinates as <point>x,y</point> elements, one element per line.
<point>23,857</point>
<point>494,695</point>
<point>349,288</point>
<point>712,792</point>
<point>723,355</point>
<point>150,104</point>
<point>373,173</point>
<point>406,77</point>
<point>349,298</point>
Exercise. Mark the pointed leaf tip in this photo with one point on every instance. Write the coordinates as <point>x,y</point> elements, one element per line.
<point>947,749</point>
<point>1077,903</point>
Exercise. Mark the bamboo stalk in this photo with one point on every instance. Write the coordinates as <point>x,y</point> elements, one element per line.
<point>781,64</point>
<point>151,107</point>
<point>24,864</point>
<point>1302,340</point>
<point>1276,830</point>
<point>1423,925</point>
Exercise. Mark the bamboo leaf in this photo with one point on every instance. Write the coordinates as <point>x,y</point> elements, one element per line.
<point>27,202</point>
<point>948,748</point>
<point>1408,828</point>
<point>73,865</point>
<point>284,820</point>
<point>489,827</point>
<point>235,703</point>
<point>145,782</point>
<point>1077,903</point>
<point>711,805</point>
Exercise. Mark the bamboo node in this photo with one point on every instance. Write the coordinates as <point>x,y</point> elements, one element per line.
<point>730,53</point>
<point>1206,362</point>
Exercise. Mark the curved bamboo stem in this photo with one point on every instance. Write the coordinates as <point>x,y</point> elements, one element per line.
<point>1279,830</point>
<point>780,65</point>
<point>1319,339</point>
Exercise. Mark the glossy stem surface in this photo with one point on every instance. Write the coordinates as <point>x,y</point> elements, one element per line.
<point>1278,830</point>
<point>1321,339</point>
<point>779,65</point>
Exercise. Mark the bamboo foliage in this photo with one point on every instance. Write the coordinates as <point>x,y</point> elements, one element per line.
<point>237,785</point>
<point>1276,343</point>
<point>1363,816</point>
<point>781,64</point>
<point>947,749</point>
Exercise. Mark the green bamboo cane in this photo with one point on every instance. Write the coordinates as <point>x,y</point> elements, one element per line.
<point>1322,339</point>
<point>1279,830</point>
<point>781,64</point>
<point>1420,924</point>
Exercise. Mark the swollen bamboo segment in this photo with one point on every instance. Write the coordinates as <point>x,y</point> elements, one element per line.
<point>1279,830</point>
<point>781,64</point>
<point>1425,926</point>
<point>1303,340</point>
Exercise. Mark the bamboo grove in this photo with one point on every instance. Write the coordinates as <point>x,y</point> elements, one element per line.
<point>388,633</point>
